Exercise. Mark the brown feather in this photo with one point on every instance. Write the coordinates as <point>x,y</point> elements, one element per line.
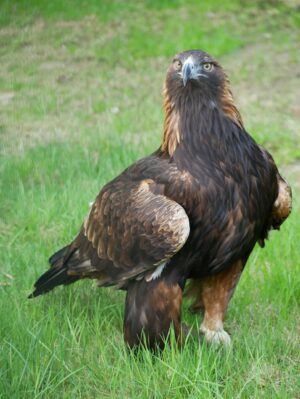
<point>171,136</point>
<point>132,227</point>
<point>228,104</point>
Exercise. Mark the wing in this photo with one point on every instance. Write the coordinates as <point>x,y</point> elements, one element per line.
<point>132,229</point>
<point>282,206</point>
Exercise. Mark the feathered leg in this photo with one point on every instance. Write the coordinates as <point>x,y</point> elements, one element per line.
<point>151,309</point>
<point>213,295</point>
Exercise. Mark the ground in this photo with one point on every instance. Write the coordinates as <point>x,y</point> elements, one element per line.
<point>80,99</point>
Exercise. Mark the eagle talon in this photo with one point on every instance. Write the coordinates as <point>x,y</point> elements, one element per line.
<point>216,338</point>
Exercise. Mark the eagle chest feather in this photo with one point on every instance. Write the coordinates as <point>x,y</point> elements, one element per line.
<point>226,187</point>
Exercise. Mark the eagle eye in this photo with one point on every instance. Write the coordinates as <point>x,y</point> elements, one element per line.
<point>208,66</point>
<point>177,65</point>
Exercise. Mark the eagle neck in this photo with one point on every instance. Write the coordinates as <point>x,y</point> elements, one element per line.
<point>197,118</point>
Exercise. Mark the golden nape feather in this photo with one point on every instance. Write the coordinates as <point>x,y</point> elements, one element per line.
<point>191,211</point>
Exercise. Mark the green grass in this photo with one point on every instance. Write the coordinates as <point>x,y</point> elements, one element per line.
<point>80,99</point>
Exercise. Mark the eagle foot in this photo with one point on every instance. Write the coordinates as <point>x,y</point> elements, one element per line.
<point>216,338</point>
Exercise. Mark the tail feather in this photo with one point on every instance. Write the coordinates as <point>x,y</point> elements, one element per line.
<point>59,255</point>
<point>56,275</point>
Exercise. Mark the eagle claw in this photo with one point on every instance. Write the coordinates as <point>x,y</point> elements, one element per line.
<point>216,338</point>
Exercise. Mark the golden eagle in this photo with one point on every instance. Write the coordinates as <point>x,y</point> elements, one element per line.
<point>193,210</point>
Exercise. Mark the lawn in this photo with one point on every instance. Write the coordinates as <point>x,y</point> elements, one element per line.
<point>80,99</point>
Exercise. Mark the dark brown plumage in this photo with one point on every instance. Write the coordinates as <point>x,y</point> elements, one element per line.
<point>194,209</point>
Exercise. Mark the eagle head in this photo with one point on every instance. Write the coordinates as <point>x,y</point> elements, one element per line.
<point>195,85</point>
<point>195,70</point>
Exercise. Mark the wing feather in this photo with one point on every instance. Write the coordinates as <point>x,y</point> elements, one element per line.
<point>132,228</point>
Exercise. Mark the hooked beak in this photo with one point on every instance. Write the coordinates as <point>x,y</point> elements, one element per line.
<point>189,71</point>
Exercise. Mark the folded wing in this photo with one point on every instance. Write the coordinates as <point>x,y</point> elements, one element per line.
<point>282,206</point>
<point>132,229</point>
